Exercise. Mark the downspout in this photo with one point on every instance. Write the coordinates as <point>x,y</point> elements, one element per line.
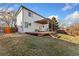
<point>22,19</point>
<point>48,26</point>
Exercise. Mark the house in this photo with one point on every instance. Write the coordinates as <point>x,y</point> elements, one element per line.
<point>29,21</point>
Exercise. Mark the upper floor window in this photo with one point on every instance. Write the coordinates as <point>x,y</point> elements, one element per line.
<point>30,14</point>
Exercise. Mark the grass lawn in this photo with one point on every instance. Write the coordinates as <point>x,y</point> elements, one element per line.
<point>40,46</point>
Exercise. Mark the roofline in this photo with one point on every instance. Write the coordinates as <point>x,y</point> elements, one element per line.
<point>17,11</point>
<point>31,11</point>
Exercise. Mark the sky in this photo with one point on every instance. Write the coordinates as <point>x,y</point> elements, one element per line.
<point>64,12</point>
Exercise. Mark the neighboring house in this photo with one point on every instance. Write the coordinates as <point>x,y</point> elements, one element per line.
<point>29,21</point>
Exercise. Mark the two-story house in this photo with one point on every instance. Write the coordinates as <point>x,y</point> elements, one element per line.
<point>29,21</point>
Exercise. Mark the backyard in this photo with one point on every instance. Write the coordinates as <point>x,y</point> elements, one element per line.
<point>29,45</point>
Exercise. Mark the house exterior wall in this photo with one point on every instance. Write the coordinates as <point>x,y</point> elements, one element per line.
<point>34,26</point>
<point>23,17</point>
<point>19,21</point>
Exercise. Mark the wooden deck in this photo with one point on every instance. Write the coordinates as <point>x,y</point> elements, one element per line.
<point>41,33</point>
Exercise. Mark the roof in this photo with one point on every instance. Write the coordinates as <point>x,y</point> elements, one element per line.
<point>31,11</point>
<point>43,21</point>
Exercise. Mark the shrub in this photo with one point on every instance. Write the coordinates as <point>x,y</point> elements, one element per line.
<point>12,29</point>
<point>3,29</point>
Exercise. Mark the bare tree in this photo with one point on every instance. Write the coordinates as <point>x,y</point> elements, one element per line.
<point>6,13</point>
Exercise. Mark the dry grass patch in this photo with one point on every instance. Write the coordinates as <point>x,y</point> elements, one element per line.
<point>72,39</point>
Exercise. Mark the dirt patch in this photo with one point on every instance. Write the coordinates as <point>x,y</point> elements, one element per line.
<point>12,35</point>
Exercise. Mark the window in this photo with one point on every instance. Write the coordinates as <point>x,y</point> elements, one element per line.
<point>30,14</point>
<point>26,24</point>
<point>43,26</point>
<point>30,24</point>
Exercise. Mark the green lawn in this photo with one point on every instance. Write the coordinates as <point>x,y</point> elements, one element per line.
<point>41,46</point>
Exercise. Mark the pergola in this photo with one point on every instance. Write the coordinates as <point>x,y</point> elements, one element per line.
<point>43,21</point>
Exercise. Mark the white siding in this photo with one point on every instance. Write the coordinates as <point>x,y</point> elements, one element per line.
<point>45,28</point>
<point>31,20</point>
<point>19,21</point>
